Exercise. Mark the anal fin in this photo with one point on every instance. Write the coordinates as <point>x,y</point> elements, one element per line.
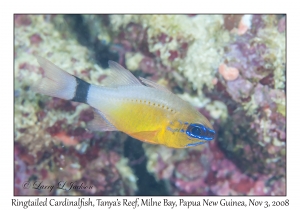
<point>100,123</point>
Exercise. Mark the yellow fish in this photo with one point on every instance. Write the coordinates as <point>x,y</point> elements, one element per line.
<point>140,108</point>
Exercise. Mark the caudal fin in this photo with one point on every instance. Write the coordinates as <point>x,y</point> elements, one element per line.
<point>56,82</point>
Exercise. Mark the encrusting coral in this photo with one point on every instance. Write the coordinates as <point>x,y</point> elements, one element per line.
<point>51,139</point>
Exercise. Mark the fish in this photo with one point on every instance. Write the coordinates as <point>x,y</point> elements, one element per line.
<point>140,107</point>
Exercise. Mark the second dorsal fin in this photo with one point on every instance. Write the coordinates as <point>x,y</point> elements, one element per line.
<point>119,76</point>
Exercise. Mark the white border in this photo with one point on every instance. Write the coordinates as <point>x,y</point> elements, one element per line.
<point>154,6</point>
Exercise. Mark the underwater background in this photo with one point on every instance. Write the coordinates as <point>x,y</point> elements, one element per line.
<point>231,67</point>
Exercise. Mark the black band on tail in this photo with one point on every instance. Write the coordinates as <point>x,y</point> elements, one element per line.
<point>82,89</point>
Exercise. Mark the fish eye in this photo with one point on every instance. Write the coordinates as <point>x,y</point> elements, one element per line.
<point>199,131</point>
<point>196,131</point>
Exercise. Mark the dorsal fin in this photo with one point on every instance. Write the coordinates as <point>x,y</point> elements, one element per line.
<point>119,76</point>
<point>100,123</point>
<point>150,83</point>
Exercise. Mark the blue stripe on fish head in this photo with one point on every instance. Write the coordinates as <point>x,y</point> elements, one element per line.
<point>201,132</point>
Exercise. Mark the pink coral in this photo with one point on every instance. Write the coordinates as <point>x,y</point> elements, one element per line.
<point>86,115</point>
<point>282,24</point>
<point>104,176</point>
<point>229,73</point>
<point>231,21</point>
<point>22,20</point>
<point>35,39</point>
<point>60,104</point>
<point>66,139</point>
<point>190,175</point>
<point>240,89</point>
<point>96,168</point>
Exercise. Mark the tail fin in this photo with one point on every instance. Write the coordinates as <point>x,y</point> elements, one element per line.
<point>56,83</point>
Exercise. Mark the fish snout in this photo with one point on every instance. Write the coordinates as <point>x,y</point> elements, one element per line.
<point>210,134</point>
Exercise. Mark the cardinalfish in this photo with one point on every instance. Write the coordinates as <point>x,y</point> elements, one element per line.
<point>138,107</point>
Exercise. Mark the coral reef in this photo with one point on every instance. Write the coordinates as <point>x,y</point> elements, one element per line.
<point>231,67</point>
<point>247,103</point>
<point>177,42</point>
<point>256,128</point>
<point>51,139</point>
<point>105,172</point>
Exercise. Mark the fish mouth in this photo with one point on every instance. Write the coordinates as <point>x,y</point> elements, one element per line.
<point>195,144</point>
<point>210,134</point>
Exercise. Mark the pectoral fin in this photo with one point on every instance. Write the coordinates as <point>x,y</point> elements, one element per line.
<point>100,123</point>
